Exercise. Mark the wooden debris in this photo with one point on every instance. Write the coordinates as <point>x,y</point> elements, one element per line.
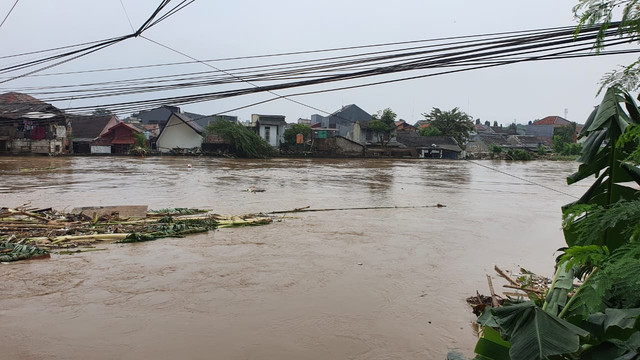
<point>505,276</point>
<point>526,289</point>
<point>494,299</point>
<point>526,282</point>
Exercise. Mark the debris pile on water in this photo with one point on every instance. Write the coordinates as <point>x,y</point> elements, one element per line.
<point>523,285</point>
<point>31,233</point>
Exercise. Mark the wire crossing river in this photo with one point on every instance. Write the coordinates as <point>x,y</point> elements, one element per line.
<point>359,284</point>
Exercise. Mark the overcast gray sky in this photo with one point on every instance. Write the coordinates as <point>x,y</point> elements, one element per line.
<point>212,29</point>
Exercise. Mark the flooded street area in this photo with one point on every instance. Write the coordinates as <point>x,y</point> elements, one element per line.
<point>357,284</point>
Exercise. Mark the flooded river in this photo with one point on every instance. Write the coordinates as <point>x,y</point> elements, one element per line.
<point>359,284</point>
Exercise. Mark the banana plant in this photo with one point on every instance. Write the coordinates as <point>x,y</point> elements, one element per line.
<point>600,228</point>
<point>604,157</point>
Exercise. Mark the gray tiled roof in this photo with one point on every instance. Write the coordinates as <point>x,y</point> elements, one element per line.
<point>88,126</point>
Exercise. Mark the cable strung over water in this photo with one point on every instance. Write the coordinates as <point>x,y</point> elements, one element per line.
<point>428,57</point>
<point>83,49</point>
<point>523,179</point>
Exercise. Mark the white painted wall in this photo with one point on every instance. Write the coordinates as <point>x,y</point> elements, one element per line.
<point>178,134</point>
<point>273,139</point>
<point>61,132</point>
<point>276,134</point>
<point>100,149</point>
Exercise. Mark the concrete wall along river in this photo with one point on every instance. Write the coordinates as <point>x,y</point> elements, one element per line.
<point>363,284</point>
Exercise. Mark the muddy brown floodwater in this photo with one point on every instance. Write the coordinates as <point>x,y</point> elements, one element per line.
<point>291,290</point>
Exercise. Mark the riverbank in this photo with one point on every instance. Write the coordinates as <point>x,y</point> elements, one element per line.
<point>377,155</point>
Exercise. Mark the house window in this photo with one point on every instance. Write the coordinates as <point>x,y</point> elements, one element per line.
<point>267,134</point>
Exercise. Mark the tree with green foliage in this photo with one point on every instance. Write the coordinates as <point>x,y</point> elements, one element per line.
<point>383,124</point>
<point>495,150</point>
<point>141,141</point>
<point>292,132</point>
<point>601,13</point>
<point>571,149</point>
<point>600,318</point>
<point>454,123</point>
<point>562,136</point>
<point>430,131</point>
<point>243,142</point>
<point>563,141</point>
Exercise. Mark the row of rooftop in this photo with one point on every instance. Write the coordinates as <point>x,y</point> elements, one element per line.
<point>28,125</point>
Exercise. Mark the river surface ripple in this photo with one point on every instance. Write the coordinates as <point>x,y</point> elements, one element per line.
<point>359,284</point>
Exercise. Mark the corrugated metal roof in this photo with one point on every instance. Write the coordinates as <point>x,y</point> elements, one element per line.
<point>14,105</point>
<point>192,124</point>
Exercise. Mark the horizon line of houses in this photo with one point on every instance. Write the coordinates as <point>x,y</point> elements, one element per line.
<point>29,125</point>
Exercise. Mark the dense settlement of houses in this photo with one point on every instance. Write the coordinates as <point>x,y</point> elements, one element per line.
<point>31,126</point>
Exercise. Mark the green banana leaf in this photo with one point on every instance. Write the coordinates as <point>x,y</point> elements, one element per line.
<point>534,334</point>
<point>491,346</point>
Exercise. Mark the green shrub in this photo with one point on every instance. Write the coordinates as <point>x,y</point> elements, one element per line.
<point>429,131</point>
<point>495,150</point>
<point>295,129</point>
<point>518,154</point>
<point>243,141</point>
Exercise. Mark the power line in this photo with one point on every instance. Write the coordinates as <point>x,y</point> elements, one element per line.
<point>278,96</point>
<point>321,67</point>
<point>468,37</point>
<point>559,55</point>
<point>274,75</point>
<point>525,44</point>
<point>127,15</point>
<point>523,179</point>
<point>9,13</point>
<point>54,49</point>
<point>485,54</point>
<point>74,54</point>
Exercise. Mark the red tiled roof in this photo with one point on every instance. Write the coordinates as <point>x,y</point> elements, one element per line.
<point>121,124</point>
<point>552,120</point>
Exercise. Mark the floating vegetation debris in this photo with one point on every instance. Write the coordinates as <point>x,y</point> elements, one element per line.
<point>13,252</point>
<point>178,211</point>
<point>30,233</point>
<point>38,169</point>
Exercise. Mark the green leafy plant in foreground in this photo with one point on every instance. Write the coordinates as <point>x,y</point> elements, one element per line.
<point>600,319</point>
